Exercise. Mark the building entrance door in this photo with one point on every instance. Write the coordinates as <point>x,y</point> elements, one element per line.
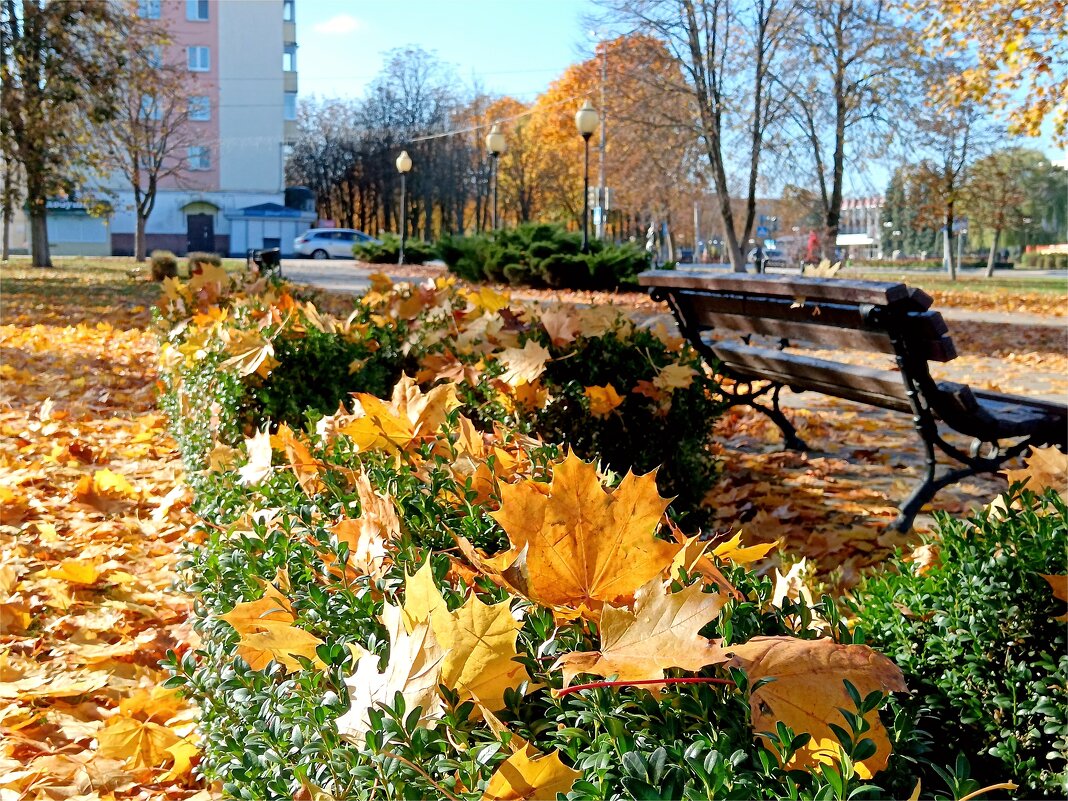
<point>200,232</point>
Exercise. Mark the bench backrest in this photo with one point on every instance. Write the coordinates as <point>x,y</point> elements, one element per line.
<point>853,315</point>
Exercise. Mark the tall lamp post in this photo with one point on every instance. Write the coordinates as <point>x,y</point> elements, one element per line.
<point>496,145</point>
<point>586,121</point>
<point>404,163</point>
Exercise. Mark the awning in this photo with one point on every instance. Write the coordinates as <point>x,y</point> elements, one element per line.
<point>845,240</point>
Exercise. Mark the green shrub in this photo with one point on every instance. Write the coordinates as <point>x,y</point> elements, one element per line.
<point>416,251</point>
<point>163,264</point>
<point>975,635</point>
<point>539,254</point>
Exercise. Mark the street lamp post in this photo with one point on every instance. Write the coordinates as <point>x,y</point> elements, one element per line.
<point>404,163</point>
<point>586,121</point>
<point>496,145</point>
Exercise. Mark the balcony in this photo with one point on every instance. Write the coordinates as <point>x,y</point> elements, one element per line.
<point>289,81</point>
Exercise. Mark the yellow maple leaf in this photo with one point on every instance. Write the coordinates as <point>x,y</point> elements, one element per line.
<point>182,754</point>
<point>603,400</point>
<point>105,491</point>
<point>142,744</point>
<point>252,353</point>
<point>528,774</point>
<point>808,691</point>
<point>674,376</point>
<point>486,298</point>
<point>409,416</point>
<point>523,365</point>
<point>208,276</point>
<point>734,551</point>
<point>661,632</point>
<point>1044,467</point>
<point>267,634</point>
<point>85,572</point>
<point>582,545</point>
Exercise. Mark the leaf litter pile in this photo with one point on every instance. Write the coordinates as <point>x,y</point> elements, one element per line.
<point>92,513</point>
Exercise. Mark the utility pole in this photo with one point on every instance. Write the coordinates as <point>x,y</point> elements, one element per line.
<point>602,195</point>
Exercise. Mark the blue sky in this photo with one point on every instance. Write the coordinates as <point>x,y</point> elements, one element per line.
<point>514,47</point>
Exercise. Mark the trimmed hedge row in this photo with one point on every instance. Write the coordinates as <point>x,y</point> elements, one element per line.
<point>540,255</point>
<point>609,389</point>
<point>303,518</point>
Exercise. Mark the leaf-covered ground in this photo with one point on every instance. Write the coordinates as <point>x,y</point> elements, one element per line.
<point>92,514</point>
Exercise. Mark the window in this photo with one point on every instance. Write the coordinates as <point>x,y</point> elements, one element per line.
<point>196,10</point>
<point>199,158</point>
<point>289,58</point>
<point>289,105</point>
<point>287,10</point>
<point>199,58</point>
<point>154,56</point>
<point>150,109</point>
<point>148,9</point>
<point>200,108</point>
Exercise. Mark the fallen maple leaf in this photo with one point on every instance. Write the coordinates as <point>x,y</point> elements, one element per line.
<point>409,416</point>
<point>252,353</point>
<point>413,670</point>
<point>582,545</point>
<point>808,691</point>
<point>661,632</point>
<point>142,744</point>
<point>560,324</point>
<point>258,467</point>
<point>478,640</point>
<point>267,634</point>
<point>603,400</point>
<point>105,491</point>
<point>734,551</point>
<point>674,376</point>
<point>1059,585</point>
<point>1043,468</point>
<point>523,365</point>
<point>307,468</point>
<point>528,774</point>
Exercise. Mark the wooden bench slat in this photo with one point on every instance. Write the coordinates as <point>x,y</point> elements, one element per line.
<point>880,293</point>
<point>883,388</point>
<point>828,323</point>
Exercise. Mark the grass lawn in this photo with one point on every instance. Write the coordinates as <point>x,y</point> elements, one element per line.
<point>1052,285</point>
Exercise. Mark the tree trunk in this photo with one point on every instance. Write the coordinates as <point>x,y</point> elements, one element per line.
<point>992,257</point>
<point>947,243</point>
<point>947,253</point>
<point>40,255</point>
<point>139,238</point>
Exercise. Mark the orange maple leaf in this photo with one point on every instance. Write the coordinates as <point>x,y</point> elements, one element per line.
<point>582,545</point>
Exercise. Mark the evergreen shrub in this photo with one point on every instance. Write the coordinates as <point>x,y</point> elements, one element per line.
<point>163,264</point>
<point>540,255</point>
<point>977,637</point>
<point>387,251</point>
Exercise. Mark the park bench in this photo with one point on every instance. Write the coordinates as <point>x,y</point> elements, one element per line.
<point>268,261</point>
<point>842,315</point>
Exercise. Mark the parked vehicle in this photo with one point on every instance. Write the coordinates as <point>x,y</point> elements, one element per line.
<point>329,243</point>
<point>772,258</point>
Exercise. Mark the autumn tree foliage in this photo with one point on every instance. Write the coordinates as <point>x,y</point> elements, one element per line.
<point>1016,52</point>
<point>57,86</point>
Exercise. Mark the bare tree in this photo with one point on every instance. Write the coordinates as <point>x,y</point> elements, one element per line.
<point>728,52</point>
<point>148,137</point>
<point>847,60</point>
<point>57,72</point>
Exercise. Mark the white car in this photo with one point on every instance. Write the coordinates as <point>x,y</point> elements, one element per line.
<point>329,243</point>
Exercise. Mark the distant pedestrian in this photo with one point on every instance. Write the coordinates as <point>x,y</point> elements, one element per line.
<point>759,258</point>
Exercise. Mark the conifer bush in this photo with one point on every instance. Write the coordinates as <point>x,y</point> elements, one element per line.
<point>539,255</point>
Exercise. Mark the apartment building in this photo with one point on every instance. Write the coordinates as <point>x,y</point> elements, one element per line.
<point>242,60</point>
<point>861,232</point>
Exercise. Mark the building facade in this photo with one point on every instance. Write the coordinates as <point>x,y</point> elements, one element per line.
<point>242,60</point>
<point>861,233</point>
<point>242,55</point>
